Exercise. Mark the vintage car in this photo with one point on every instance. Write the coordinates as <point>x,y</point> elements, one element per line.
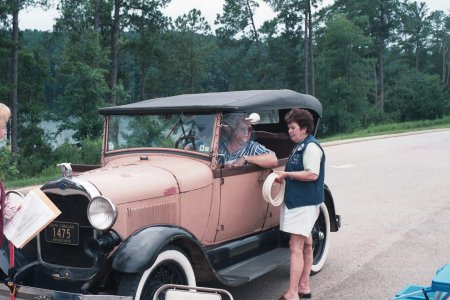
<point>161,209</point>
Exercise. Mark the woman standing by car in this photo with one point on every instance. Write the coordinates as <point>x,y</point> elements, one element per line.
<point>304,192</point>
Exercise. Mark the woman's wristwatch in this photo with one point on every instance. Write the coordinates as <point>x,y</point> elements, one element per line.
<point>245,160</point>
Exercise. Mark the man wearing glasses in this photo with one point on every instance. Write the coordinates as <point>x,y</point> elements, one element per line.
<point>236,149</point>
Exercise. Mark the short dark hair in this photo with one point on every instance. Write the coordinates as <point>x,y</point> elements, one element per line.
<point>302,117</point>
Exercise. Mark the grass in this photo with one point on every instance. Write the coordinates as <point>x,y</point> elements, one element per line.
<point>370,131</point>
<point>46,175</point>
<point>39,180</point>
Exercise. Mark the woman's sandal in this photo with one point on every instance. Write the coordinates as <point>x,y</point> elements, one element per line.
<point>304,296</point>
<point>300,295</point>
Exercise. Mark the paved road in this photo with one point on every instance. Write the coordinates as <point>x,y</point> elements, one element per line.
<point>394,198</point>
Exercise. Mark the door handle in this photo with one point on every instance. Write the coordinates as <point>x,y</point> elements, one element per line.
<point>264,175</point>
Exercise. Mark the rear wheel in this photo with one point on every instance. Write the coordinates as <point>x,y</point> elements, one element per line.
<point>321,239</point>
<point>171,266</point>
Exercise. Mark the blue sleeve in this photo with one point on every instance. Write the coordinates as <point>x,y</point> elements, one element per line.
<point>258,149</point>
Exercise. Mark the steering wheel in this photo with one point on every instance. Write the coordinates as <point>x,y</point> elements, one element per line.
<point>188,139</point>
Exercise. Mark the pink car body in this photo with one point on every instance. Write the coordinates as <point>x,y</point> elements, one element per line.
<point>160,208</point>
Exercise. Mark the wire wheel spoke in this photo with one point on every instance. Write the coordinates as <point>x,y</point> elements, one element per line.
<point>166,272</point>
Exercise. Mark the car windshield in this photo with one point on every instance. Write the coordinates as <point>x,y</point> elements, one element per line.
<point>175,131</point>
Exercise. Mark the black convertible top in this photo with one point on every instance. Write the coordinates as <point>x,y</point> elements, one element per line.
<point>226,102</point>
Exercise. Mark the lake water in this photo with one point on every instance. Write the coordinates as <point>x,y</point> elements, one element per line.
<point>51,129</point>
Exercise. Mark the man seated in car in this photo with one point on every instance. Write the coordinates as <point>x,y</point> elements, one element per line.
<point>236,149</point>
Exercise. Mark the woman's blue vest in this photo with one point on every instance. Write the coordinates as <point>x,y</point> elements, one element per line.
<point>302,193</point>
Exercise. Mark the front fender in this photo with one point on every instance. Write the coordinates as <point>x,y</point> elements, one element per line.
<point>140,250</point>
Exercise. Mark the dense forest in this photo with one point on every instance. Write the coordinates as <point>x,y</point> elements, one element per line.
<point>369,62</point>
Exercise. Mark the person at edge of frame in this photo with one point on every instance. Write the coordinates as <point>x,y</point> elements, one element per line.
<point>5,114</point>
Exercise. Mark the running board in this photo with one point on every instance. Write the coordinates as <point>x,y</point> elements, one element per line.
<point>250,269</point>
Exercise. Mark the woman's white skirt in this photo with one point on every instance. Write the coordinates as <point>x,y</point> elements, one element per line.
<point>299,220</point>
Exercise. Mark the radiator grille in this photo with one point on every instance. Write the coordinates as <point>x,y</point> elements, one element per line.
<point>74,210</point>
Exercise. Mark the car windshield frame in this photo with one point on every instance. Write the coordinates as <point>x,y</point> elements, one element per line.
<point>168,131</point>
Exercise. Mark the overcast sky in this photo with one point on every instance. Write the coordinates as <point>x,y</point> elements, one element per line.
<point>44,20</point>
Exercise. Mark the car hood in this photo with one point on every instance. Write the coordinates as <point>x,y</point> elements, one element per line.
<point>133,178</point>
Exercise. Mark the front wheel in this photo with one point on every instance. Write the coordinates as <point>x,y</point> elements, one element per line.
<point>321,239</point>
<point>171,266</point>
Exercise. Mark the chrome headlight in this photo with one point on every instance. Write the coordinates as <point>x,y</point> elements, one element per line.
<point>102,213</point>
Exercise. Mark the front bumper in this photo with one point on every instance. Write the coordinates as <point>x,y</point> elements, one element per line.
<point>25,292</point>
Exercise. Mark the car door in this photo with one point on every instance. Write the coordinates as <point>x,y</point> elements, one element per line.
<point>242,207</point>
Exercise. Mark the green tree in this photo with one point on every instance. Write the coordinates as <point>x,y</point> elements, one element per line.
<point>415,29</point>
<point>83,84</point>
<point>239,18</point>
<point>379,20</point>
<point>291,14</point>
<point>192,51</point>
<point>81,73</point>
<point>34,148</point>
<point>343,76</point>
<point>115,37</point>
<point>8,164</point>
<point>419,96</point>
<point>4,64</point>
<point>284,62</point>
<point>12,8</point>
<point>440,46</point>
<point>145,25</point>
<point>239,62</point>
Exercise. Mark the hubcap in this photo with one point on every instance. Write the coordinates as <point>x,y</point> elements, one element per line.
<point>321,235</point>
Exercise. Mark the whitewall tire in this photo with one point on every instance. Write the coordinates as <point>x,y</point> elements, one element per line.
<point>321,239</point>
<point>171,266</point>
